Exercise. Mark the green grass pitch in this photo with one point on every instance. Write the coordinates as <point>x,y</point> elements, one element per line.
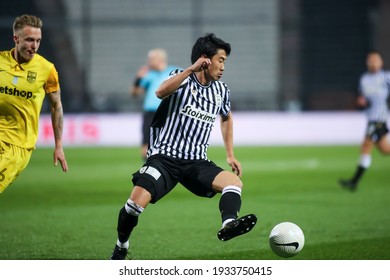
<point>46,214</point>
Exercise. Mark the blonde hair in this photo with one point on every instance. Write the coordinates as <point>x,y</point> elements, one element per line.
<point>161,53</point>
<point>26,20</point>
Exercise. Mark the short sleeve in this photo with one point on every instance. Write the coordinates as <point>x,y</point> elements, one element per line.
<point>52,84</point>
<point>226,106</point>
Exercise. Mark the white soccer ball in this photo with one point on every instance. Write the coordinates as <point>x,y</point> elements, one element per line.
<point>286,239</point>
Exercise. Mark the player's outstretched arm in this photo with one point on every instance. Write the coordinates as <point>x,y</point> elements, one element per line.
<point>57,119</point>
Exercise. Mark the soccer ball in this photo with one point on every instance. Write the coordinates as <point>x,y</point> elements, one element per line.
<point>286,239</point>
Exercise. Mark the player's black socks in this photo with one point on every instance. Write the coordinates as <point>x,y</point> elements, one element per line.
<point>230,203</point>
<point>358,174</point>
<point>126,224</point>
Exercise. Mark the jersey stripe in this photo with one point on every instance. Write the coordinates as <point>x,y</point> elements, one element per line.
<point>375,88</point>
<point>183,122</point>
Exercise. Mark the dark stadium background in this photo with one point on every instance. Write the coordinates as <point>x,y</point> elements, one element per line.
<point>288,55</point>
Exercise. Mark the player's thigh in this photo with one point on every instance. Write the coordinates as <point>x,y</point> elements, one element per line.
<point>199,177</point>
<point>157,177</point>
<point>226,178</point>
<point>13,160</point>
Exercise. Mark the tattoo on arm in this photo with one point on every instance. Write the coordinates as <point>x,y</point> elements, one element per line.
<point>57,116</point>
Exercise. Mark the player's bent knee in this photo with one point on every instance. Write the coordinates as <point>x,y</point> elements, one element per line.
<point>239,183</point>
<point>384,148</point>
<point>235,181</point>
<point>133,208</point>
<point>226,178</point>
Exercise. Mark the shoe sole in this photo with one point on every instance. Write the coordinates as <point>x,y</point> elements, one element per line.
<point>237,227</point>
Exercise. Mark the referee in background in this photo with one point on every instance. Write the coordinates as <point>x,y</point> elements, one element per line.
<point>149,78</point>
<point>374,89</point>
<point>192,99</point>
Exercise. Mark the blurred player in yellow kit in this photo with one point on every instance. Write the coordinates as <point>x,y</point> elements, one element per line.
<point>25,79</point>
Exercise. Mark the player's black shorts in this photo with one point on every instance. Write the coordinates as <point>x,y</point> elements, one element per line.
<point>376,130</point>
<point>160,174</point>
<point>146,122</point>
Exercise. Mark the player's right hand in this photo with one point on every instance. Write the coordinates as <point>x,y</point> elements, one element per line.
<point>201,64</point>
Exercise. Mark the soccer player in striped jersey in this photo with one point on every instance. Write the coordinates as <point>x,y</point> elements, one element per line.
<point>26,78</point>
<point>374,89</point>
<point>191,101</point>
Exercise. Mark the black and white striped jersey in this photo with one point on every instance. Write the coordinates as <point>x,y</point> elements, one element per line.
<point>183,122</point>
<point>375,88</point>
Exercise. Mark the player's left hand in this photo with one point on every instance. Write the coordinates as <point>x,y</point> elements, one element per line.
<point>362,102</point>
<point>59,155</point>
<point>235,165</point>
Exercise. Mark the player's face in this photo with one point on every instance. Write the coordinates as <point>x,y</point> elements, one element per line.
<point>215,70</point>
<point>374,62</point>
<point>27,43</point>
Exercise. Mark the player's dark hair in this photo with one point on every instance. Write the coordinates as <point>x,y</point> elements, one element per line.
<point>373,51</point>
<point>208,45</point>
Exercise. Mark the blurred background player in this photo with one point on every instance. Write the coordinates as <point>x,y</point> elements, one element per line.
<point>25,79</point>
<point>374,89</point>
<point>192,99</point>
<point>149,77</point>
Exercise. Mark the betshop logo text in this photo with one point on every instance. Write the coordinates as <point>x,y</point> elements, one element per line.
<point>16,92</point>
